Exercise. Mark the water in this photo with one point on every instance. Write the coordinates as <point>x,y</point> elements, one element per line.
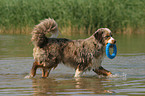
<point>128,70</point>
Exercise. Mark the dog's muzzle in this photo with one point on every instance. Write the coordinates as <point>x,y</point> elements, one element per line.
<point>111,40</point>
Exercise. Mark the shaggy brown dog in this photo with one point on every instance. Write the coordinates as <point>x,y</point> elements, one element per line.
<point>82,55</point>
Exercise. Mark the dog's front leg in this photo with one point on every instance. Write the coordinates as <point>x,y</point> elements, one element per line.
<point>78,72</point>
<point>102,71</point>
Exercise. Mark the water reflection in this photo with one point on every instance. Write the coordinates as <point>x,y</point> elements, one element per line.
<point>74,86</point>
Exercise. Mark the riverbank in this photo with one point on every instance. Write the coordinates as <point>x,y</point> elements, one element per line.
<point>73,16</point>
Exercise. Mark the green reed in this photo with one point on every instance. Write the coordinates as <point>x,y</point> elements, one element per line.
<point>83,16</point>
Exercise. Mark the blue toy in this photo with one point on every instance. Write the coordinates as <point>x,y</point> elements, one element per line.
<point>114,51</point>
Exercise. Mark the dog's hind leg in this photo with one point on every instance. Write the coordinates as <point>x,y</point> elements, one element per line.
<point>34,68</point>
<point>45,72</point>
<point>102,71</point>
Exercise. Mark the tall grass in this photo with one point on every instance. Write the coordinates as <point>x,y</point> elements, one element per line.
<point>72,16</point>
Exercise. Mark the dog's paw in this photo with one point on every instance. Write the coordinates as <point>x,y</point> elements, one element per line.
<point>28,76</point>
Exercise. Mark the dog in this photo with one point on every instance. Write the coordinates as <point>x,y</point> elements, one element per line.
<point>82,55</point>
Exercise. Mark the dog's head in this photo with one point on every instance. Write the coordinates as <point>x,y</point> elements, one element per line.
<point>104,36</point>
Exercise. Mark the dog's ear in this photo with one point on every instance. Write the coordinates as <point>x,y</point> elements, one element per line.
<point>98,35</point>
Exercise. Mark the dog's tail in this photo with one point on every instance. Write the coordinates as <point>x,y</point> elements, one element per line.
<point>40,30</point>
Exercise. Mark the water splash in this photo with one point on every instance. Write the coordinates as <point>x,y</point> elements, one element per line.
<point>28,76</point>
<point>122,76</point>
<point>116,75</point>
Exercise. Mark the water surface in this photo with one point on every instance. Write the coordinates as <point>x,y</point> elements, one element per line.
<point>128,70</point>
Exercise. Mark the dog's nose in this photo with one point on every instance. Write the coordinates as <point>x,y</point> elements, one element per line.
<point>114,41</point>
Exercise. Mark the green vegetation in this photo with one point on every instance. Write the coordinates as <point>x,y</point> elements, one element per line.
<point>82,16</point>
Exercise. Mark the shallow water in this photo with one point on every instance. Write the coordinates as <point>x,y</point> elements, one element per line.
<point>128,70</point>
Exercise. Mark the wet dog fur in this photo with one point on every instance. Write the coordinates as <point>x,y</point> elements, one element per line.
<point>82,55</point>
